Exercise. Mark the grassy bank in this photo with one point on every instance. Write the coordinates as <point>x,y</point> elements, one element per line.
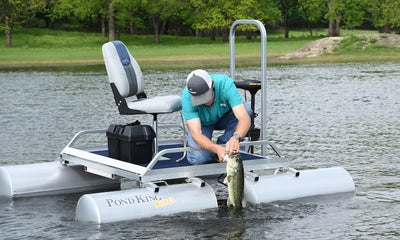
<point>40,47</point>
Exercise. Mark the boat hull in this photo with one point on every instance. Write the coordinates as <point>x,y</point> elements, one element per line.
<point>145,202</point>
<point>308,183</point>
<point>50,178</point>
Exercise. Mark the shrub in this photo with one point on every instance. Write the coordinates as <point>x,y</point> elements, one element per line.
<point>373,40</point>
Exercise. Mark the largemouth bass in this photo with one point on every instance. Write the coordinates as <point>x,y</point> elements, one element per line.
<point>235,180</point>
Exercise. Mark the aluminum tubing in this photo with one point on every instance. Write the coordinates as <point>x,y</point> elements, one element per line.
<point>287,186</point>
<point>144,202</point>
<point>50,178</point>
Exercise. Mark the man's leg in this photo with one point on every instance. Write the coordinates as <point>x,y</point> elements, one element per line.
<point>229,123</point>
<point>202,156</point>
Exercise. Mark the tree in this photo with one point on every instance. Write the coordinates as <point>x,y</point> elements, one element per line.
<point>313,12</point>
<point>219,15</point>
<point>270,11</point>
<point>111,22</point>
<point>285,15</point>
<point>265,11</point>
<point>130,13</point>
<point>392,12</point>
<point>92,10</point>
<point>385,14</point>
<point>334,15</point>
<point>160,12</point>
<point>15,12</point>
<point>346,13</point>
<point>355,13</point>
<point>216,16</point>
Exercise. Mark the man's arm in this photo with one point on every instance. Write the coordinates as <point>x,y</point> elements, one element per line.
<point>242,128</point>
<point>203,141</point>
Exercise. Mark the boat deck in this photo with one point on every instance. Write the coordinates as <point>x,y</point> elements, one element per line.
<point>164,164</point>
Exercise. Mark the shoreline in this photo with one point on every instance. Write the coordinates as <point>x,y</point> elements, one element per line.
<point>181,65</point>
<point>66,49</point>
<point>363,48</point>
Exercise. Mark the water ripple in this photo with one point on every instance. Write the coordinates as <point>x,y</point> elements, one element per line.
<point>318,115</point>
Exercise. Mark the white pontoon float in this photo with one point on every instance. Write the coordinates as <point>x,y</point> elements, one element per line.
<point>165,185</point>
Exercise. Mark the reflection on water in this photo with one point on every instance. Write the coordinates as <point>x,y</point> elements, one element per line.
<point>318,115</point>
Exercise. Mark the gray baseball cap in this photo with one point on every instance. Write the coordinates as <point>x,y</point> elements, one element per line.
<point>199,85</point>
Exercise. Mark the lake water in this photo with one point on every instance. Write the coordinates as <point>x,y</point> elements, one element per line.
<point>318,115</point>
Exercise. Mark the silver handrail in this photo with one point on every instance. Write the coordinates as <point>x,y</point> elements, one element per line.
<point>158,155</point>
<point>81,133</point>
<point>263,68</point>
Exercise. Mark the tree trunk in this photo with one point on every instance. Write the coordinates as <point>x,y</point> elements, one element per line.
<point>163,29</point>
<point>285,14</point>
<point>384,29</point>
<point>334,28</point>
<point>8,30</point>
<point>225,34</point>
<point>212,35</point>
<point>331,29</point>
<point>8,36</point>
<point>131,28</point>
<point>197,30</point>
<point>111,23</point>
<point>307,19</point>
<point>286,27</point>
<point>334,23</point>
<point>248,34</point>
<point>103,25</point>
<point>156,20</point>
<point>337,27</point>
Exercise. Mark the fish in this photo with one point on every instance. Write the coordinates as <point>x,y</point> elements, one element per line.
<point>235,180</point>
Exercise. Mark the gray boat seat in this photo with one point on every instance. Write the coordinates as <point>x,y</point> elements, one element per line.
<point>126,80</point>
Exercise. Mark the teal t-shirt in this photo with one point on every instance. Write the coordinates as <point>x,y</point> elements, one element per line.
<point>226,97</point>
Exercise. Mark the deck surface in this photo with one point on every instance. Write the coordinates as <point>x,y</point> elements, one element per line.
<point>171,163</point>
<point>96,161</point>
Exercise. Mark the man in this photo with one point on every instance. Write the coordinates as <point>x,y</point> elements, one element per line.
<point>212,102</point>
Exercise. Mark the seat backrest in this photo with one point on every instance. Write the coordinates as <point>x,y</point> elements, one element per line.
<point>122,69</point>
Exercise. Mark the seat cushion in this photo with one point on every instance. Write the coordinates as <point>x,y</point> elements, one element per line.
<point>161,104</point>
<point>122,69</point>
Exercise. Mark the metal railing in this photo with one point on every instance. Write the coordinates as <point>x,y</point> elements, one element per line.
<point>263,33</point>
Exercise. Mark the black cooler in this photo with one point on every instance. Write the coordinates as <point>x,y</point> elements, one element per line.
<point>131,143</point>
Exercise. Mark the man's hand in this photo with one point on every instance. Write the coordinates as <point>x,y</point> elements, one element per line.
<point>221,153</point>
<point>232,146</point>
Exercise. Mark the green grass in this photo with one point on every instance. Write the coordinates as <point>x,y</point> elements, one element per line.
<point>38,47</point>
<point>55,47</point>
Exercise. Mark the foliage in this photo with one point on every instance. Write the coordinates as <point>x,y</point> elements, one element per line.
<point>16,12</point>
<point>373,40</point>
<point>385,13</point>
<point>352,43</point>
<point>314,9</point>
<point>355,13</point>
<point>213,15</point>
<point>130,13</point>
<point>160,11</point>
<point>209,18</point>
<point>355,43</point>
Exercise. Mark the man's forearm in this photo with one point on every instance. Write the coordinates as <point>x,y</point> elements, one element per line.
<point>242,127</point>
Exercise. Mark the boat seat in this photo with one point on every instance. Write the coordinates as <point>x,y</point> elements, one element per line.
<point>126,80</point>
